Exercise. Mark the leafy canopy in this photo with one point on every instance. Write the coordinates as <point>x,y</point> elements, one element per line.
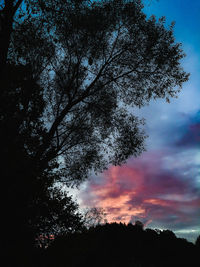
<point>94,61</point>
<point>70,73</point>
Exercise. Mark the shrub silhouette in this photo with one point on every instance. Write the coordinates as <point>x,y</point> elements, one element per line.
<point>121,245</point>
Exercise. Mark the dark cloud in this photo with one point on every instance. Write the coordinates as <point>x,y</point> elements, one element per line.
<point>190,133</point>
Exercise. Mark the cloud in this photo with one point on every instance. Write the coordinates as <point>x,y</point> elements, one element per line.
<point>191,133</point>
<point>145,189</point>
<point>162,187</point>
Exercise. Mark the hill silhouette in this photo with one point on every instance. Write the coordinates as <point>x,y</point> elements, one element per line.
<point>117,245</point>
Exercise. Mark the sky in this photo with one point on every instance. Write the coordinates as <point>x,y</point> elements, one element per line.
<point>161,188</point>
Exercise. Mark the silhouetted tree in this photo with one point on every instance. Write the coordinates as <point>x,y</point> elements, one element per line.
<point>94,216</point>
<point>139,224</point>
<point>134,60</point>
<point>70,73</point>
<point>121,245</point>
<point>197,243</point>
<point>32,205</point>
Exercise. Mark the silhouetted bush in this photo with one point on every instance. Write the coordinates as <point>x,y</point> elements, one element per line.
<point>197,243</point>
<point>121,245</point>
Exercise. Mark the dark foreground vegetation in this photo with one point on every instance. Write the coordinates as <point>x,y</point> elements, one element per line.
<point>119,245</point>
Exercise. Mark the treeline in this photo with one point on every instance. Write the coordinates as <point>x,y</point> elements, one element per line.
<point>110,245</point>
<point>121,245</point>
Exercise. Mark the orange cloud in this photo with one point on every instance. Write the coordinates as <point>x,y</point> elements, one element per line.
<point>120,185</point>
<point>159,202</point>
<point>143,189</point>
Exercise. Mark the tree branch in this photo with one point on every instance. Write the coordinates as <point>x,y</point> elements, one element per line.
<point>17,5</point>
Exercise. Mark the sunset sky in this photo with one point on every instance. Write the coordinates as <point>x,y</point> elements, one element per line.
<point>162,186</point>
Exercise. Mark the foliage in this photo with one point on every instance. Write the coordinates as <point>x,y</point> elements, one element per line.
<point>122,245</point>
<point>94,62</point>
<point>93,217</point>
<point>198,241</point>
<point>70,74</point>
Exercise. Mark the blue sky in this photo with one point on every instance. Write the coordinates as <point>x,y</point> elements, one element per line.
<point>162,186</point>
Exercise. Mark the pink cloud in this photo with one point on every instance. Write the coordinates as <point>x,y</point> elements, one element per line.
<point>145,190</point>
